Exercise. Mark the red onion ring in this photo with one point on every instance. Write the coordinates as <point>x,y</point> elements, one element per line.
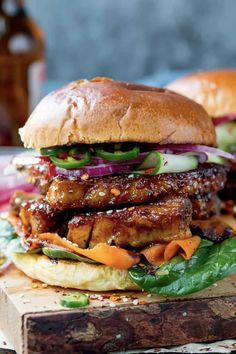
<point>93,171</point>
<point>182,148</point>
<point>223,119</point>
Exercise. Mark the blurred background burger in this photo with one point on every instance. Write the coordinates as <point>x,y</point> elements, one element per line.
<point>215,90</point>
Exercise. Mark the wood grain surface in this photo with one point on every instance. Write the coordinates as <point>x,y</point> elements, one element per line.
<point>34,322</point>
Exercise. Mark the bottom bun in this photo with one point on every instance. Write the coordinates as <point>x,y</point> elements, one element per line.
<point>70,274</point>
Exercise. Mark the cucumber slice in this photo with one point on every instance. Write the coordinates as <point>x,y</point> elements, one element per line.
<point>226,135</point>
<point>62,253</point>
<point>156,162</point>
<point>74,300</point>
<point>177,163</point>
<point>215,159</point>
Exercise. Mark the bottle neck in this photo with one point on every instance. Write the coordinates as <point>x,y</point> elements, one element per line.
<point>11,7</point>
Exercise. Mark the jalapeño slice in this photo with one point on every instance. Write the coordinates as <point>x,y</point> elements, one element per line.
<point>117,152</point>
<point>74,300</point>
<point>72,157</point>
<point>54,150</point>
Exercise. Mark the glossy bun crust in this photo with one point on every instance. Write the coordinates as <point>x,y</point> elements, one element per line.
<point>72,274</point>
<point>102,110</point>
<point>215,90</point>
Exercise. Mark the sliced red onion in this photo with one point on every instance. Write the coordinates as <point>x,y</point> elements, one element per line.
<point>93,171</point>
<point>183,148</point>
<point>223,119</point>
<point>5,266</point>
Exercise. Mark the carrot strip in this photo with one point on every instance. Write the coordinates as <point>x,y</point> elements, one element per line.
<point>161,253</point>
<point>185,248</point>
<point>155,254</point>
<point>102,253</point>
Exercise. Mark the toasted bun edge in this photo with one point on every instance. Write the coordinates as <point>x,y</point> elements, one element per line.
<point>102,110</point>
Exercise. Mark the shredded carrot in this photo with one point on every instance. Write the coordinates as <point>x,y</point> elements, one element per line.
<point>185,248</point>
<point>155,254</point>
<point>102,253</point>
<point>161,253</point>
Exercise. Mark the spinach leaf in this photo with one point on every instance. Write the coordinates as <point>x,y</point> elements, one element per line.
<point>211,262</point>
<point>61,253</point>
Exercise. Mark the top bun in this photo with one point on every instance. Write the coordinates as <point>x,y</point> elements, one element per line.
<point>102,110</point>
<point>215,90</point>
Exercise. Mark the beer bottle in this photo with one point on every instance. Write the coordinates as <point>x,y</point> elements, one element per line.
<point>21,68</point>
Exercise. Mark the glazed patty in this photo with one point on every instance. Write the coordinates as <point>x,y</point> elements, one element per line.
<point>205,206</point>
<point>38,216</point>
<point>101,193</point>
<point>136,226</point>
<point>133,226</point>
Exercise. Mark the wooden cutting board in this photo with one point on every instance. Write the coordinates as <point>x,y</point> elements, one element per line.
<point>34,322</point>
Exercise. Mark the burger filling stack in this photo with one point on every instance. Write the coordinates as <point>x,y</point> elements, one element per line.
<point>127,178</point>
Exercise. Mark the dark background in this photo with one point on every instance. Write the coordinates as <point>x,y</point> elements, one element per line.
<point>129,39</point>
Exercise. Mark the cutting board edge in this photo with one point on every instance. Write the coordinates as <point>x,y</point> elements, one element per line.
<point>148,313</point>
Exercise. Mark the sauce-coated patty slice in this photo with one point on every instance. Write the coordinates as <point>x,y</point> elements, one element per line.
<point>135,226</point>
<point>104,192</point>
<point>38,216</point>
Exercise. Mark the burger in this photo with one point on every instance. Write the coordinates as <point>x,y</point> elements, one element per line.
<point>215,90</point>
<point>128,177</point>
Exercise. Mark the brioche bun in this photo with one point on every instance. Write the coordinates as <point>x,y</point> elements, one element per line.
<point>215,90</point>
<point>72,274</point>
<point>102,110</point>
